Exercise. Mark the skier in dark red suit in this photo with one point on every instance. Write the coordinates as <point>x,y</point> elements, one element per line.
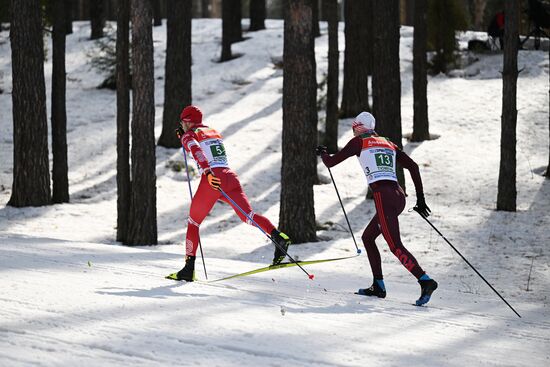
<point>206,146</point>
<point>378,156</point>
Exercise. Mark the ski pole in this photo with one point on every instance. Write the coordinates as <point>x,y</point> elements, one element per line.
<point>344,210</point>
<point>191,194</point>
<point>467,262</point>
<point>310,276</point>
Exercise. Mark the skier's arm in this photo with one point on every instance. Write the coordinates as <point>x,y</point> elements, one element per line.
<point>406,162</point>
<point>412,167</point>
<point>353,147</point>
<point>191,145</point>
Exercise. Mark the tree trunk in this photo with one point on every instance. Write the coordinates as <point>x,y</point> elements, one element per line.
<point>548,168</point>
<point>97,18</point>
<point>177,87</point>
<point>205,10</point>
<point>142,225</point>
<point>421,130</point>
<point>386,82</point>
<point>123,119</point>
<point>234,16</point>
<point>479,14</point>
<point>226,31</point>
<point>157,17</point>
<point>330,8</point>
<point>355,94</point>
<point>298,171</point>
<point>59,111</point>
<point>315,12</point>
<point>506,197</point>
<point>69,16</point>
<point>31,174</point>
<point>257,15</point>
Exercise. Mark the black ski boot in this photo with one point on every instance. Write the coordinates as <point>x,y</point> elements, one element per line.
<point>283,241</point>
<point>188,271</point>
<point>375,290</point>
<point>427,287</point>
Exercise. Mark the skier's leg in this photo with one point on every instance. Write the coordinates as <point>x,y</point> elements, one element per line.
<point>389,203</point>
<point>369,235</point>
<point>203,201</point>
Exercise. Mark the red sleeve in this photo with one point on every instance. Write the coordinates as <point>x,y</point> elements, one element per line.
<point>353,147</point>
<point>191,145</point>
<point>406,162</point>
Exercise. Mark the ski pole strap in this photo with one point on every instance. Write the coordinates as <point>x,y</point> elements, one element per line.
<point>471,266</point>
<point>310,276</point>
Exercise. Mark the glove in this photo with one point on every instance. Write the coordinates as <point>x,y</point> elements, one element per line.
<point>421,206</point>
<point>214,181</point>
<point>320,150</point>
<point>179,132</point>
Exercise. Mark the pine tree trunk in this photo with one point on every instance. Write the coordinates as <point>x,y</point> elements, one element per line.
<point>506,197</point>
<point>59,111</point>
<point>330,8</point>
<point>97,18</point>
<point>205,10</point>
<point>157,18</point>
<point>548,168</point>
<point>298,171</point>
<point>355,93</point>
<point>386,82</point>
<point>479,13</point>
<point>123,119</point>
<point>315,12</point>
<point>31,174</point>
<point>177,87</point>
<point>258,14</point>
<point>226,31</point>
<point>234,17</point>
<point>420,72</point>
<point>142,225</point>
<point>69,16</point>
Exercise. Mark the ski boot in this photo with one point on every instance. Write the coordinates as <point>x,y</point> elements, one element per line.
<point>188,271</point>
<point>377,289</point>
<point>427,287</point>
<point>283,241</point>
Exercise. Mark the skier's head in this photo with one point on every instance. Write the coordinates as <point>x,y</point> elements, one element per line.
<point>363,123</point>
<point>191,116</point>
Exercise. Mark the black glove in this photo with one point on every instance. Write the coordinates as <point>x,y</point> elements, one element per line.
<point>421,206</point>
<point>179,132</point>
<point>320,150</point>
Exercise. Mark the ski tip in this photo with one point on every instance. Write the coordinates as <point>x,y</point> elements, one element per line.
<point>311,276</point>
<point>358,251</point>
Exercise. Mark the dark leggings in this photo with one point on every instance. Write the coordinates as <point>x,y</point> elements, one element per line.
<point>390,202</point>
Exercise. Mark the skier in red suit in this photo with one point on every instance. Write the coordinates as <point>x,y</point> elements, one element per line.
<point>205,144</point>
<point>378,156</point>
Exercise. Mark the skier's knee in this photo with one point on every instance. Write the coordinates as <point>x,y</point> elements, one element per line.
<point>192,222</point>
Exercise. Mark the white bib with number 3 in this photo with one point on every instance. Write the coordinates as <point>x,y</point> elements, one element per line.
<point>378,159</point>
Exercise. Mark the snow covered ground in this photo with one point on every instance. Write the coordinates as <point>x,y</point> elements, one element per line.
<point>70,295</point>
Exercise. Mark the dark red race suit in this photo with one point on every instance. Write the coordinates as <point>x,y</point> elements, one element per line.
<point>378,157</point>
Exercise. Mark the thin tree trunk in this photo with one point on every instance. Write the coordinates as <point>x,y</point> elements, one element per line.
<point>177,87</point>
<point>315,12</point>
<point>205,10</point>
<point>31,174</point>
<point>506,197</point>
<point>548,168</point>
<point>59,111</point>
<point>69,16</point>
<point>386,82</point>
<point>97,18</point>
<point>257,15</point>
<point>142,225</point>
<point>298,171</point>
<point>479,13</point>
<point>355,92</point>
<point>330,8</point>
<point>157,18</point>
<point>226,31</point>
<point>123,119</point>
<point>421,130</point>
